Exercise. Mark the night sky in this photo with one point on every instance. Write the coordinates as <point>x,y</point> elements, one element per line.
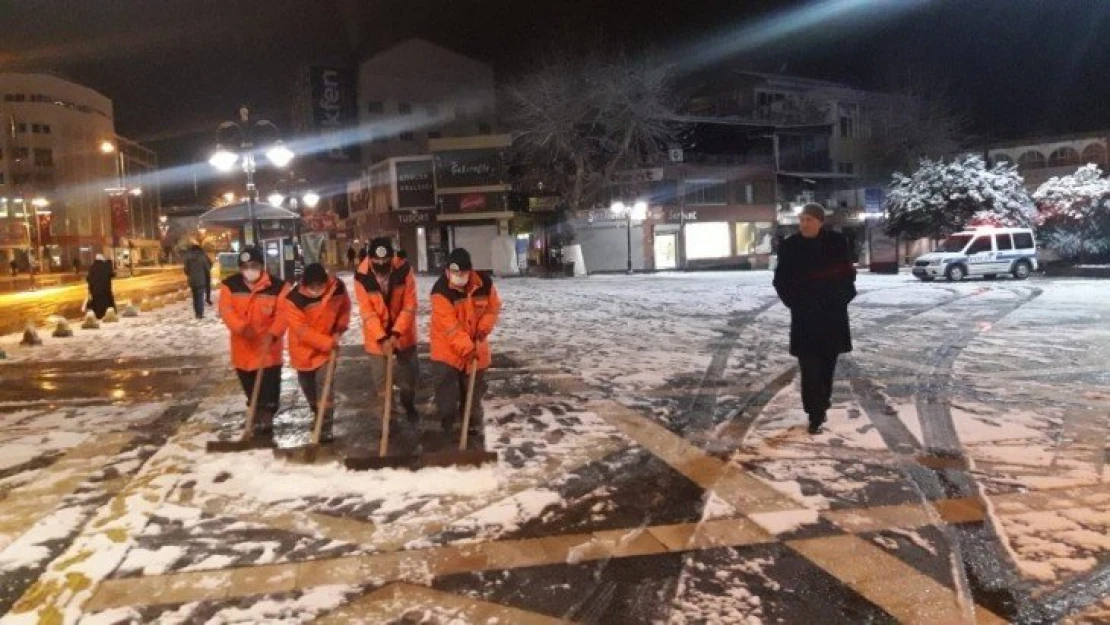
<point>176,68</point>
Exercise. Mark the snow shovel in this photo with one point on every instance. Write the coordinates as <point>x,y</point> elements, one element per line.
<point>383,460</point>
<point>247,440</point>
<point>308,453</point>
<point>462,456</point>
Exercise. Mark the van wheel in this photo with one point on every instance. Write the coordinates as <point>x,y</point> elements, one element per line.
<point>955,273</point>
<point>1022,269</point>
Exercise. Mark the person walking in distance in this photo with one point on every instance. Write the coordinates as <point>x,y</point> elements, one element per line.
<point>465,309</point>
<point>815,278</point>
<point>386,293</point>
<point>351,257</point>
<point>249,308</point>
<point>198,271</point>
<point>315,314</point>
<point>99,280</point>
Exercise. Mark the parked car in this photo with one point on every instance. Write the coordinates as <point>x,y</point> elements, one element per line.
<point>986,252</point>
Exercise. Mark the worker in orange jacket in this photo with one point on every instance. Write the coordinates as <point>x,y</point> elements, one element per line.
<point>386,292</point>
<point>249,309</point>
<point>465,309</point>
<point>315,314</point>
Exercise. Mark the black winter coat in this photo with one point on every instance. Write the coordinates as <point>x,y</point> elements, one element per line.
<point>198,268</point>
<point>815,279</point>
<point>100,287</point>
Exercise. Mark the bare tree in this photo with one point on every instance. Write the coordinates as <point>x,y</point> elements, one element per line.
<point>577,124</point>
<point>919,122</point>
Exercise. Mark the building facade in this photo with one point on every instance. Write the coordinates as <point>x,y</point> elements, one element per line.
<point>417,91</point>
<point>1041,159</point>
<point>95,191</point>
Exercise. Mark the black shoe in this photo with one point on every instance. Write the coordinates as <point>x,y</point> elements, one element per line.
<point>815,428</point>
<point>411,412</point>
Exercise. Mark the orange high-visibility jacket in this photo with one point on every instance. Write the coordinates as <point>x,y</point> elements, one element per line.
<point>392,311</point>
<point>313,324</point>
<point>460,316</point>
<point>251,314</point>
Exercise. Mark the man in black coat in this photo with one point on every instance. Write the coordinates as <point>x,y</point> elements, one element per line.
<point>198,271</point>
<point>815,278</point>
<point>99,280</point>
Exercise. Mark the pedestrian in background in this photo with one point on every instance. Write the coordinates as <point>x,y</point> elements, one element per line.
<point>76,266</point>
<point>198,271</point>
<point>100,286</point>
<point>351,257</point>
<point>815,279</point>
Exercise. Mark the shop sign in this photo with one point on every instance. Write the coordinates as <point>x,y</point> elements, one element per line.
<point>412,218</point>
<point>638,175</point>
<point>473,203</point>
<point>414,184</point>
<point>469,168</point>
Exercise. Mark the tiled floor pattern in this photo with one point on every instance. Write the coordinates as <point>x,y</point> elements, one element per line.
<point>899,589</point>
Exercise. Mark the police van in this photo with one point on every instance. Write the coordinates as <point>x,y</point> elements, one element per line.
<point>986,252</point>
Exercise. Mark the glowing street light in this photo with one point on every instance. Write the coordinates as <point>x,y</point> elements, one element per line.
<point>224,159</point>
<point>311,199</point>
<point>229,197</point>
<point>107,147</point>
<point>275,198</point>
<point>637,211</point>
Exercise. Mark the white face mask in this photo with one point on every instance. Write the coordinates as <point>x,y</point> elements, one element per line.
<point>459,279</point>
<point>252,275</point>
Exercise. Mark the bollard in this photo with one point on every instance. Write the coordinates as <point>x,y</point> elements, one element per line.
<point>61,327</point>
<point>146,305</point>
<point>110,316</point>
<point>129,310</point>
<point>90,322</point>
<point>30,336</point>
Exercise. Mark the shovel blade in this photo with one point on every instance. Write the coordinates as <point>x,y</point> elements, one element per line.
<point>381,462</point>
<point>458,458</point>
<point>224,447</point>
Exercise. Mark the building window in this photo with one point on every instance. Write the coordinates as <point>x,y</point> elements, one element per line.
<point>708,240</point>
<point>21,153</point>
<point>749,193</point>
<point>754,237</point>
<point>433,110</point>
<point>846,168</point>
<point>484,129</point>
<point>3,201</point>
<point>435,134</point>
<point>376,108</point>
<point>46,129</point>
<point>847,126</point>
<point>705,192</point>
<point>2,182</point>
<point>1063,157</point>
<point>21,128</point>
<point>404,108</point>
<point>1031,160</point>
<point>407,136</point>
<point>15,97</point>
<point>44,157</point>
<point>1,154</point>
<point>1094,153</point>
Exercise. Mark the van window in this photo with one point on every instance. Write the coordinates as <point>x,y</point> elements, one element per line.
<point>979,245</point>
<point>1003,241</point>
<point>1023,240</point>
<point>954,243</point>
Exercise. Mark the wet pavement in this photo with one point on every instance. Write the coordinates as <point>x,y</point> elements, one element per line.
<point>653,468</point>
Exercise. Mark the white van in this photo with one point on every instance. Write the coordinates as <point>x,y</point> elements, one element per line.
<point>986,252</point>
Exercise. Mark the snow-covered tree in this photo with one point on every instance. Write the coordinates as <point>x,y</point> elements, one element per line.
<point>1074,212</point>
<point>945,197</point>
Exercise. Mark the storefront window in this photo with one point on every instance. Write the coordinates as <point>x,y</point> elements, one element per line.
<point>706,192</point>
<point>754,237</point>
<point>708,240</point>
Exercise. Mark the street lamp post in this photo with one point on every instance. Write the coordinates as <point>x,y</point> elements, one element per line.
<point>31,209</point>
<point>224,159</point>
<point>637,211</point>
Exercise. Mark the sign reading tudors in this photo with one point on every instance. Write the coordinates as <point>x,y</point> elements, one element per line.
<point>334,110</point>
<point>414,184</point>
<point>469,168</point>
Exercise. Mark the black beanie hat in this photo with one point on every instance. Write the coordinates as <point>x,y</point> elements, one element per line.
<point>459,260</point>
<point>381,247</point>
<point>251,255</point>
<point>314,274</point>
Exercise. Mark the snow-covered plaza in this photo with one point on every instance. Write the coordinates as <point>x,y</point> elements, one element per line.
<point>654,467</point>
